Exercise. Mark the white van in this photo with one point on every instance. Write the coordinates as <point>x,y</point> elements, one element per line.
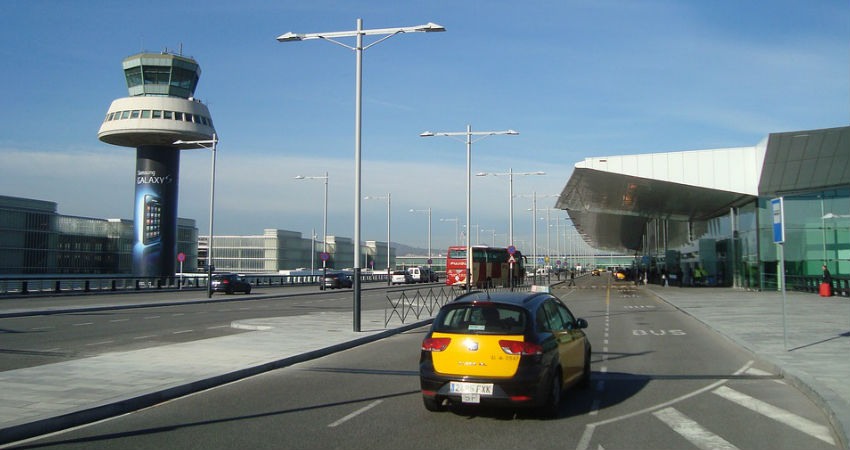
<point>421,274</point>
<point>416,273</point>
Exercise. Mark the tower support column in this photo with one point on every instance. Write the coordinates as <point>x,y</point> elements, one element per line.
<point>155,211</point>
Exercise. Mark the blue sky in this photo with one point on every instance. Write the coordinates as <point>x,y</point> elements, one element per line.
<point>576,78</point>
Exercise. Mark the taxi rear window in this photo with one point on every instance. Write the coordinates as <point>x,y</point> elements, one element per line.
<point>481,319</point>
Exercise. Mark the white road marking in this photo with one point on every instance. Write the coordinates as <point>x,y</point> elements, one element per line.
<point>778,414</point>
<point>83,324</point>
<point>356,413</point>
<point>119,320</point>
<point>182,331</point>
<point>146,337</point>
<point>584,442</point>
<point>692,431</point>
<point>762,373</point>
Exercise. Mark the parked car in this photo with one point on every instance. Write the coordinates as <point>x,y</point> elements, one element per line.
<point>230,283</point>
<point>516,349</point>
<point>400,277</point>
<point>337,280</point>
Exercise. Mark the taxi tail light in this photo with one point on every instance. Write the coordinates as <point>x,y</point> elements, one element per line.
<point>520,347</point>
<point>435,344</point>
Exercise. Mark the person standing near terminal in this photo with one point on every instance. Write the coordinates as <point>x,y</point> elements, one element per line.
<point>826,283</point>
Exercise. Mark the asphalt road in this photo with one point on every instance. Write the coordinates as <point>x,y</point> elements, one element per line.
<point>36,339</point>
<point>660,380</point>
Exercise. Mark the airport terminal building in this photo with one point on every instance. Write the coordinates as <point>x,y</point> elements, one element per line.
<point>705,217</point>
<point>36,240</point>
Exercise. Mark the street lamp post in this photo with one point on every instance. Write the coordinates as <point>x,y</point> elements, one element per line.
<point>510,174</point>
<point>388,198</point>
<point>358,88</point>
<point>324,223</point>
<point>212,146</point>
<point>426,211</point>
<point>468,133</point>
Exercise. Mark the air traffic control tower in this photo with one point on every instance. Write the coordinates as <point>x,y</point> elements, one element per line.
<point>160,110</point>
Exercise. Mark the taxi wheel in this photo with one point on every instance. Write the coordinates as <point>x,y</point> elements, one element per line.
<point>433,404</point>
<point>552,404</point>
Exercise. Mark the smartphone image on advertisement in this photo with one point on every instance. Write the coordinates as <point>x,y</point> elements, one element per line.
<point>152,220</point>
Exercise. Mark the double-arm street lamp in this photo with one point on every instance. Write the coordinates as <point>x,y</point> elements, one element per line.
<point>358,88</point>
<point>510,174</point>
<point>209,144</point>
<point>388,198</point>
<point>324,222</point>
<point>426,211</point>
<point>468,134</point>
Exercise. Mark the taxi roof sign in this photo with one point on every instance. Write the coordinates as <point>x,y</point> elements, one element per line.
<point>544,289</point>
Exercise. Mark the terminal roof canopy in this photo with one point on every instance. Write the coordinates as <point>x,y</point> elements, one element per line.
<point>610,199</point>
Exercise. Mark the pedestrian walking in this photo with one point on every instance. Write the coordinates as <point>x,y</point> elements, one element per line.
<point>572,278</point>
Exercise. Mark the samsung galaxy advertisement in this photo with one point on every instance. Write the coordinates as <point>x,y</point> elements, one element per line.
<point>155,212</point>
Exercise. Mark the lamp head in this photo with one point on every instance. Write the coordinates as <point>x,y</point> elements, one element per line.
<point>289,37</point>
<point>426,134</point>
<point>431,27</point>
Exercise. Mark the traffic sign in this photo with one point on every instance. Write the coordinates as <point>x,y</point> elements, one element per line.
<point>777,205</point>
<point>511,249</point>
<point>324,256</point>
<point>181,257</point>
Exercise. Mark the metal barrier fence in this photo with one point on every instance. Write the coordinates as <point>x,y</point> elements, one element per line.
<point>53,285</point>
<point>810,284</point>
<point>426,301</point>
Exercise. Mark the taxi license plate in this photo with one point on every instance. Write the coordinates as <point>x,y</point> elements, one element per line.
<point>458,387</point>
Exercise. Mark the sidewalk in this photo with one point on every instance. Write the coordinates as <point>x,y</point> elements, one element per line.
<point>817,329</point>
<point>46,398</point>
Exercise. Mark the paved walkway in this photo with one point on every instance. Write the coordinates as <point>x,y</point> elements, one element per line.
<point>812,354</point>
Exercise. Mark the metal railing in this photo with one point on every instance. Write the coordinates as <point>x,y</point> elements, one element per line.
<point>69,284</point>
<point>423,302</point>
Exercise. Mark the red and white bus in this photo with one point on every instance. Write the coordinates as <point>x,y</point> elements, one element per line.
<point>490,267</point>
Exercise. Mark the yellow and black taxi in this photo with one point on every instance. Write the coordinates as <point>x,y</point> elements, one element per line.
<point>516,349</point>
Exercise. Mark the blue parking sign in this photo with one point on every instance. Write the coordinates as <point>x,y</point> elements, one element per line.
<point>777,206</point>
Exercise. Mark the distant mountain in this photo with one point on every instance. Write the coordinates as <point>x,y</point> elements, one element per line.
<point>406,250</point>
